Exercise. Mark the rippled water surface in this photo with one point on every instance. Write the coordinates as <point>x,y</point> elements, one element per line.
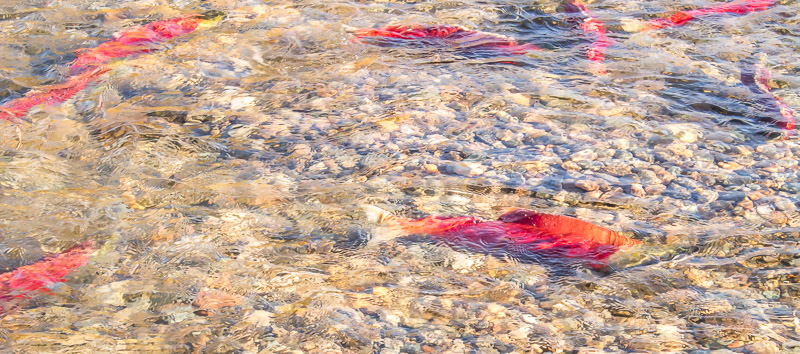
<point>221,178</point>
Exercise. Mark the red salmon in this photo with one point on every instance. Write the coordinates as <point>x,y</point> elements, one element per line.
<point>454,36</point>
<point>51,94</point>
<point>136,41</point>
<point>519,232</point>
<point>736,7</point>
<point>37,277</point>
<point>756,78</point>
<point>87,67</point>
<point>597,51</point>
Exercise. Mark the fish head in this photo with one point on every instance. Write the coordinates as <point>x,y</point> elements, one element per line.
<point>211,18</point>
<point>386,228</point>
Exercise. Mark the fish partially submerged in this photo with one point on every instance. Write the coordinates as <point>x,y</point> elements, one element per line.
<point>518,233</point>
<point>736,7</point>
<point>756,77</point>
<point>142,39</point>
<point>51,94</point>
<point>88,67</point>
<point>590,24</point>
<point>455,37</point>
<point>40,276</point>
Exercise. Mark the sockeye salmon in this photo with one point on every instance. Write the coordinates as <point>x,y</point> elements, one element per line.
<point>521,233</point>
<point>142,39</point>
<point>51,94</point>
<point>38,277</point>
<point>88,67</point>
<point>756,78</point>
<point>597,51</point>
<point>736,7</point>
<point>455,37</point>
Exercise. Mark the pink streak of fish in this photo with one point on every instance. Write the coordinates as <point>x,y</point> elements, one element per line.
<point>597,51</point>
<point>736,7</point>
<point>452,35</point>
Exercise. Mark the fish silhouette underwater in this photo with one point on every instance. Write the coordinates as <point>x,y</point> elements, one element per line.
<point>683,17</point>
<point>41,276</point>
<point>756,77</point>
<point>520,233</point>
<point>591,25</point>
<point>89,65</point>
<point>142,39</point>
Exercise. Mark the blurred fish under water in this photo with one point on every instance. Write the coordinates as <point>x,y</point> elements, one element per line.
<point>87,68</point>
<point>682,17</point>
<point>756,77</point>
<point>456,37</point>
<point>41,276</point>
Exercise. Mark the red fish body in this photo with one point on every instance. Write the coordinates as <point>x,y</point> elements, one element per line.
<point>597,51</point>
<point>37,277</point>
<point>523,233</point>
<point>454,36</point>
<point>736,7</point>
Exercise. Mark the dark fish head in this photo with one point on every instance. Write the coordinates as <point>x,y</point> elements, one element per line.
<point>212,15</point>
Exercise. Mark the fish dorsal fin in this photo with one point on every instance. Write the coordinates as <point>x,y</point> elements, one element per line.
<point>518,216</point>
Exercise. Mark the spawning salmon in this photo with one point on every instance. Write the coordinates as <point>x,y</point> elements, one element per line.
<point>456,37</point>
<point>88,68</point>
<point>597,50</point>
<point>39,276</point>
<point>520,233</point>
<point>756,78</point>
<point>682,17</point>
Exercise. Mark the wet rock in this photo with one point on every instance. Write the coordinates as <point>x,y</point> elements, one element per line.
<point>784,204</point>
<point>705,196</point>
<point>623,155</point>
<point>721,136</point>
<point>584,155</point>
<point>678,191</point>
<point>621,144</point>
<point>468,169</point>
<point>688,133</point>
<point>655,189</point>
<point>741,150</point>
<point>212,299</point>
<point>732,196</point>
<point>637,190</point>
<point>764,347</point>
<point>586,184</point>
<point>644,155</point>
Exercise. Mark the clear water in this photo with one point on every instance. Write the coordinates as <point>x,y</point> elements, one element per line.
<point>222,174</point>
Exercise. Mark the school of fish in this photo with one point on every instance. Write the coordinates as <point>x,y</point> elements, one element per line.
<point>518,232</point>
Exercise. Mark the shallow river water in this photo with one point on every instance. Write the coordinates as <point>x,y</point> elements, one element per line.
<point>220,177</point>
